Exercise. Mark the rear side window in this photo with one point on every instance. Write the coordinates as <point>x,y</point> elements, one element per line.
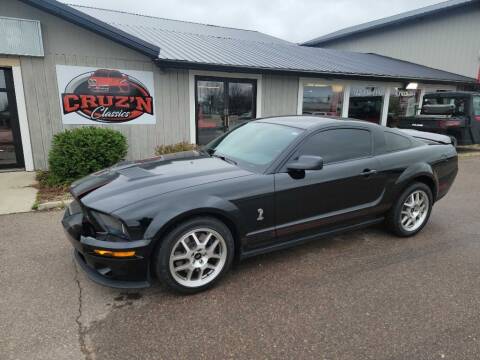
<point>476,105</point>
<point>396,142</point>
<point>339,145</point>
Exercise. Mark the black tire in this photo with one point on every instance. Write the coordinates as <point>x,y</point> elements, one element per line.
<point>393,219</point>
<point>163,253</point>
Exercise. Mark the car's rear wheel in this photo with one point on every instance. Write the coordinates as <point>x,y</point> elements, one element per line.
<point>411,210</point>
<point>194,255</point>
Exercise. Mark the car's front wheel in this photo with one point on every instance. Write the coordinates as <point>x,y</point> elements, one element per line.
<point>194,255</point>
<point>411,211</point>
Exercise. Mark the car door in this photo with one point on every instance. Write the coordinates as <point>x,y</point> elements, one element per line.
<point>348,186</point>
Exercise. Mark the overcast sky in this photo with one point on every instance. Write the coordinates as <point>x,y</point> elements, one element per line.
<point>293,20</point>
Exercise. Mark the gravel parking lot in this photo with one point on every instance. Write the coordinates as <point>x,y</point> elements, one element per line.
<point>363,295</point>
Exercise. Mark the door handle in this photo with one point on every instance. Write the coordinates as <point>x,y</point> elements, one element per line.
<point>368,172</point>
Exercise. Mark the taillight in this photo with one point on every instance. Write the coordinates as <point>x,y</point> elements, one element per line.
<point>477,117</point>
<point>450,123</point>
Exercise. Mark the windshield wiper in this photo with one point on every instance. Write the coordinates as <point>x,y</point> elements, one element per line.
<point>224,158</point>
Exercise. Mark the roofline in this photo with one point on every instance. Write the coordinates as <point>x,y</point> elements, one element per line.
<point>364,27</point>
<point>177,64</point>
<point>90,23</point>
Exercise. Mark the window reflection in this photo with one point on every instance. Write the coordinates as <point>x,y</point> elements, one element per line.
<point>366,103</point>
<point>210,110</point>
<point>320,99</point>
<point>240,103</point>
<point>402,103</point>
<point>2,79</point>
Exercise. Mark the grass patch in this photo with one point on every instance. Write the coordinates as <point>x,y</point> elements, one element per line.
<point>174,148</point>
<point>47,193</point>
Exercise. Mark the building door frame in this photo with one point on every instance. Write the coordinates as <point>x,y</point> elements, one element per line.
<point>9,90</point>
<point>218,74</point>
<point>226,88</point>
<point>14,64</point>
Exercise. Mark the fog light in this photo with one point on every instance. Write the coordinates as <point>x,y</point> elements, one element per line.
<point>114,253</point>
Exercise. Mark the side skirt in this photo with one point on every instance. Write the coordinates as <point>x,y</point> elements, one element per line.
<point>288,244</point>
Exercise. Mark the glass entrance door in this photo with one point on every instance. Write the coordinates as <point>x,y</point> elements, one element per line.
<point>222,104</point>
<point>366,103</point>
<point>11,155</point>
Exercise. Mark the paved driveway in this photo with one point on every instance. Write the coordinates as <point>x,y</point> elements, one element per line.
<point>364,295</point>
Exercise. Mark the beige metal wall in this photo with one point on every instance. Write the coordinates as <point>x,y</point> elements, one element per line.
<point>279,95</point>
<point>448,42</point>
<point>68,44</point>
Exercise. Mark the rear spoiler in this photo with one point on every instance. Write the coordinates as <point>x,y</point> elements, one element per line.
<point>423,135</point>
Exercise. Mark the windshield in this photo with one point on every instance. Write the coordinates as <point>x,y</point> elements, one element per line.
<point>444,105</point>
<point>254,145</point>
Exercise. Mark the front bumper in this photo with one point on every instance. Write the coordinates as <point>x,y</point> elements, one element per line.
<point>123,273</point>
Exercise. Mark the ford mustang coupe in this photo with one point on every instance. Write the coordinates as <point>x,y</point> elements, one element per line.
<point>265,185</point>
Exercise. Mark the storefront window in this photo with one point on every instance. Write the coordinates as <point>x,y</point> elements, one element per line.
<point>321,99</point>
<point>402,103</point>
<point>476,105</point>
<point>366,103</point>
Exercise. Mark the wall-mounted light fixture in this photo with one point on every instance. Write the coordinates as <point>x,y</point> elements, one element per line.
<point>412,86</point>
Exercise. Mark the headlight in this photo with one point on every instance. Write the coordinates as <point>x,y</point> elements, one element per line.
<point>74,207</point>
<point>111,224</point>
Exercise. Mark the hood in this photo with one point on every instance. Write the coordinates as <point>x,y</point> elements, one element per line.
<point>123,184</point>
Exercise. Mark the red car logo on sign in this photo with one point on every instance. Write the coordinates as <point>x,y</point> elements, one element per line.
<point>108,96</point>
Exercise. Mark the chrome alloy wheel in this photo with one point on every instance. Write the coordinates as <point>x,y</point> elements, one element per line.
<point>198,257</point>
<point>414,210</point>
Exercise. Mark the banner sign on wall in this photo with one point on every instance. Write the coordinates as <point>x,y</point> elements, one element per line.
<point>103,95</point>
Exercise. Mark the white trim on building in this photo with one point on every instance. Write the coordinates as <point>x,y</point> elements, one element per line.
<point>14,64</point>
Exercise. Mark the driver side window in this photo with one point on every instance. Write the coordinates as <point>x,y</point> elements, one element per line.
<point>338,145</point>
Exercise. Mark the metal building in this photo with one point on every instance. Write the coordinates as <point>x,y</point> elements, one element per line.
<point>443,36</point>
<point>161,81</point>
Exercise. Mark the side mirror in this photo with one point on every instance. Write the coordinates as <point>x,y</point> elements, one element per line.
<point>306,162</point>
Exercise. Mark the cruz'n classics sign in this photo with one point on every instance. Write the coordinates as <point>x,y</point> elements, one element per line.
<point>105,95</point>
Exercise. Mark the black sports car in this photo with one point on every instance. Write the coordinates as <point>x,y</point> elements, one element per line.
<point>266,185</point>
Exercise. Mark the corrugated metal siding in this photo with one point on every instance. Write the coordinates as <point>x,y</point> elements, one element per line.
<point>172,108</point>
<point>88,49</point>
<point>279,95</point>
<point>392,20</point>
<point>20,37</point>
<point>450,43</point>
<point>43,106</point>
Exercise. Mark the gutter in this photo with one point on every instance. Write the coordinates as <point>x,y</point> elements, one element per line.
<point>178,64</point>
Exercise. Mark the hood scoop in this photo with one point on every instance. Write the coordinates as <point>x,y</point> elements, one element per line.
<point>135,172</point>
